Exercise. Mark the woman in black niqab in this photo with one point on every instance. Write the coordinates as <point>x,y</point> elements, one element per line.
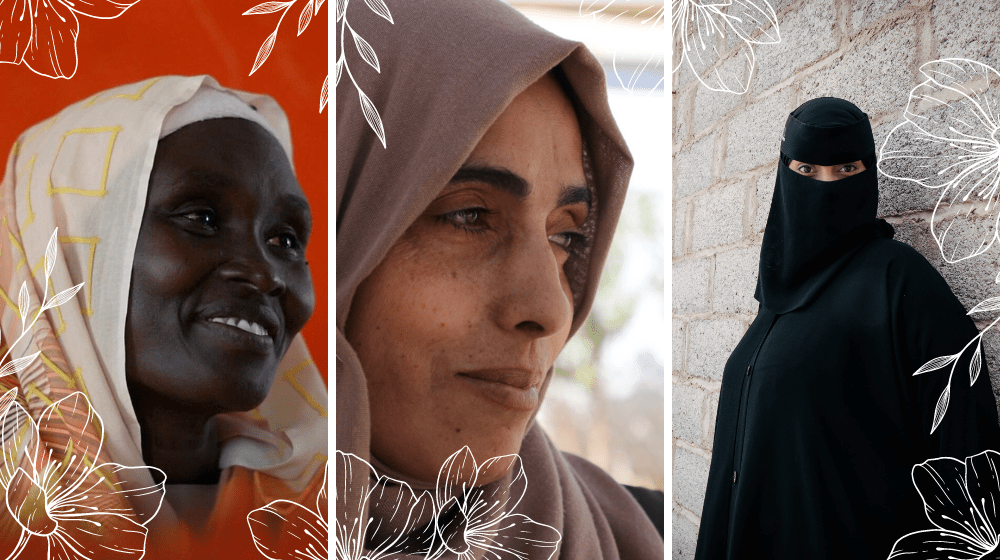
<point>820,418</point>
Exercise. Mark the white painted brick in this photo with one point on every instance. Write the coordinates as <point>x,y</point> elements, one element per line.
<point>808,34</point>
<point>690,478</point>
<point>686,412</point>
<point>754,136</point>
<point>876,74</point>
<point>710,342</point>
<point>718,217</point>
<point>736,280</point>
<point>684,537</point>
<point>690,284</point>
<point>694,167</point>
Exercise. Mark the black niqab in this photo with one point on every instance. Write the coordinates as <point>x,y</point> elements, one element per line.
<point>814,227</point>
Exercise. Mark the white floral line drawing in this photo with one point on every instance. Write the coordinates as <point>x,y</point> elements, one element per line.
<point>305,16</point>
<point>368,54</point>
<point>56,493</point>
<point>650,18</point>
<point>957,152</point>
<point>949,141</point>
<point>961,501</point>
<point>708,20</point>
<point>478,521</point>
<point>42,35</point>
<point>305,528</point>
<point>18,365</point>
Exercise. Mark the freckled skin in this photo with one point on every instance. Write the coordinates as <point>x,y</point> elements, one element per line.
<point>447,300</point>
<point>216,234</point>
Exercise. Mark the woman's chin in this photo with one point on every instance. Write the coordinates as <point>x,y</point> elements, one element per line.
<point>426,464</point>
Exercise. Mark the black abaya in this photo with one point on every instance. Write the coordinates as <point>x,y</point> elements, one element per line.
<point>820,418</point>
<point>819,429</point>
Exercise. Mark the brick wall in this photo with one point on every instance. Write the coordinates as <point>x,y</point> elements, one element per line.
<point>725,150</point>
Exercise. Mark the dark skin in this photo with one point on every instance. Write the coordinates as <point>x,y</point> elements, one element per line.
<point>220,287</point>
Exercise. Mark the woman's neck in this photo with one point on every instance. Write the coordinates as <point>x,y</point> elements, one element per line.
<point>181,442</point>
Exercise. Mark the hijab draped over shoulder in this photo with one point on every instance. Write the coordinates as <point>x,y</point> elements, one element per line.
<point>448,70</point>
<point>86,171</point>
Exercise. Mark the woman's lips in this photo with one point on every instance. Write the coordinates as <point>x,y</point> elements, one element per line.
<point>514,389</point>
<point>235,338</point>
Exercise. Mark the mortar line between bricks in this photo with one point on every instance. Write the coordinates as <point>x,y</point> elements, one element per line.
<point>686,513</point>
<point>710,251</point>
<point>709,385</point>
<point>691,448</point>
<point>710,315</point>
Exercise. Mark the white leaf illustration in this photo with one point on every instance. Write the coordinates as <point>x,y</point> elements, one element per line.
<point>991,304</point>
<point>975,365</point>
<point>366,51</point>
<point>341,9</point>
<point>318,4</point>
<point>265,51</point>
<point>18,365</point>
<point>339,68</point>
<point>324,94</point>
<point>305,17</point>
<point>941,407</point>
<point>50,253</point>
<point>372,116</point>
<point>936,363</point>
<point>23,302</point>
<point>267,8</point>
<point>63,296</point>
<point>379,7</point>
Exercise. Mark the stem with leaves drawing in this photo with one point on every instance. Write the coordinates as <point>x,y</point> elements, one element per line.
<point>24,305</point>
<point>311,8</point>
<point>368,54</point>
<point>975,365</point>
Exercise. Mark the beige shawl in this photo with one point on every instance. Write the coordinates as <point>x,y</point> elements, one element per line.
<point>448,68</point>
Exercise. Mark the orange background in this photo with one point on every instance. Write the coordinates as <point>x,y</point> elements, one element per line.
<point>156,37</point>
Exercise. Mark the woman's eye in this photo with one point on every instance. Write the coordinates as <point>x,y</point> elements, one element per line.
<point>567,240</point>
<point>805,169</point>
<point>467,218</point>
<point>205,218</point>
<point>850,168</point>
<point>285,241</point>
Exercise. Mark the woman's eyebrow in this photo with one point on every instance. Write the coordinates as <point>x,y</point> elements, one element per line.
<point>575,194</point>
<point>496,177</point>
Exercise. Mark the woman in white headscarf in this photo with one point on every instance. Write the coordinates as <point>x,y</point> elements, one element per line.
<point>177,208</point>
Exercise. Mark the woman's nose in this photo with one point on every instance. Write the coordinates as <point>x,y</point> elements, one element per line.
<point>826,173</point>
<point>249,264</point>
<point>532,296</point>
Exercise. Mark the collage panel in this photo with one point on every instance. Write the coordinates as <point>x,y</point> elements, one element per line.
<point>163,265</point>
<point>834,279</point>
<point>499,260</point>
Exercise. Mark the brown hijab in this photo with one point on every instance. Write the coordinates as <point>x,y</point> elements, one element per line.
<point>448,69</point>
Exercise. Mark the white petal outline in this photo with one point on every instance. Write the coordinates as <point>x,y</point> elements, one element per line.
<point>710,22</point>
<point>50,59</point>
<point>63,478</point>
<point>958,152</point>
<point>957,497</point>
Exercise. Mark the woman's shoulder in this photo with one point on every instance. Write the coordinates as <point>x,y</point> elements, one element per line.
<point>897,258</point>
<point>651,502</point>
<point>598,481</point>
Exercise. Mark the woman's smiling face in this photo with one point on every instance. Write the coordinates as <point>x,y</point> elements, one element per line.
<point>220,285</point>
<point>460,323</point>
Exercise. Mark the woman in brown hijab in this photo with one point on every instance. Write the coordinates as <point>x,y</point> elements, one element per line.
<point>468,252</point>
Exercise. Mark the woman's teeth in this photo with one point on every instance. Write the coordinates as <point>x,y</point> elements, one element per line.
<point>241,324</point>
